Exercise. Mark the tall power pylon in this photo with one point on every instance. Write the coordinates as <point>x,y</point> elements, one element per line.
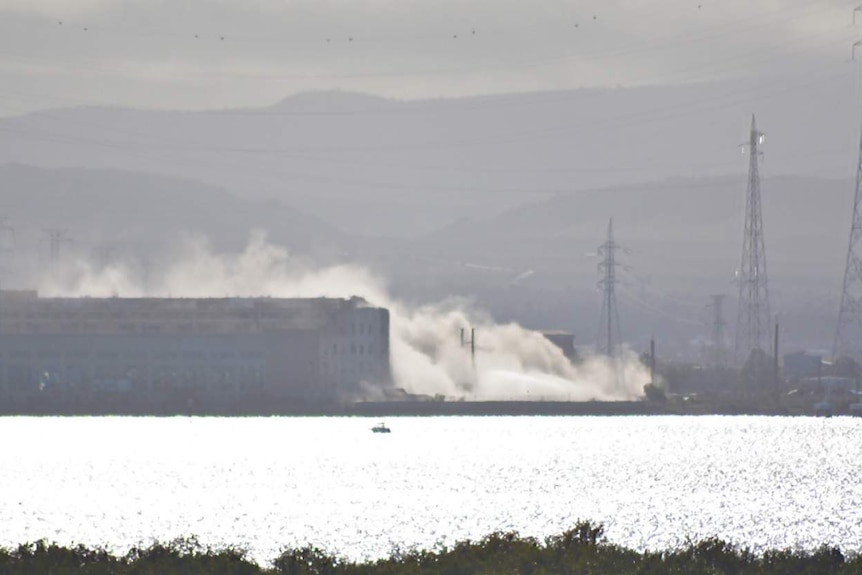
<point>610,338</point>
<point>753,316</point>
<point>56,237</point>
<point>848,333</point>
<point>718,357</point>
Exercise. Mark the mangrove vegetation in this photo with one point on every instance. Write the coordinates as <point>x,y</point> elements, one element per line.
<point>582,550</point>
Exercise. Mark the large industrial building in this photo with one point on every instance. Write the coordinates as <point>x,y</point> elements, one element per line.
<point>153,354</point>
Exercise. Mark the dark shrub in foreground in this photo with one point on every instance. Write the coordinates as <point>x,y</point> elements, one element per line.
<point>186,555</point>
<point>578,551</point>
<point>44,557</point>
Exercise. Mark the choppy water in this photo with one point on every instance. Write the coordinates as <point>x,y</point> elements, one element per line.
<point>265,483</point>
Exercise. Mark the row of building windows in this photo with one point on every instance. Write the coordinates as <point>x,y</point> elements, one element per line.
<point>136,355</point>
<point>19,378</point>
<point>189,355</point>
<point>147,314</point>
<point>131,327</point>
<point>362,328</point>
<point>350,368</point>
<point>352,349</point>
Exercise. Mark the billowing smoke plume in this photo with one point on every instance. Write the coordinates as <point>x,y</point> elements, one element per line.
<point>427,354</point>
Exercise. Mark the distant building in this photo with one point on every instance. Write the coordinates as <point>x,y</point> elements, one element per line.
<point>153,351</point>
<point>836,384</point>
<point>563,340</point>
<point>802,364</point>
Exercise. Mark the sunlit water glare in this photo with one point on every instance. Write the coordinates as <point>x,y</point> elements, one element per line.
<point>268,483</point>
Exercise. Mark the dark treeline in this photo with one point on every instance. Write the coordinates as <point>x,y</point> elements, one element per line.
<point>581,550</point>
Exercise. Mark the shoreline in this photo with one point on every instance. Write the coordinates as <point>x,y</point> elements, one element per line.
<point>382,409</point>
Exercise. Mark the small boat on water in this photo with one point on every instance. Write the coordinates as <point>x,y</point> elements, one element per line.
<point>381,428</point>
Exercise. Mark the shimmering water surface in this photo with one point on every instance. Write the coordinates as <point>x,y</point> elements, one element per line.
<point>266,483</point>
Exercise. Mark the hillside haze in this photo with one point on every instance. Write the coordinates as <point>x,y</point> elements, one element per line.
<point>379,167</point>
<point>501,199</point>
<point>534,263</point>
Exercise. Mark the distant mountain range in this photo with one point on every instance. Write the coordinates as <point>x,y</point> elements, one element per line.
<point>378,167</point>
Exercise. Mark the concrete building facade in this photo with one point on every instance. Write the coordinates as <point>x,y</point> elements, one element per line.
<point>174,351</point>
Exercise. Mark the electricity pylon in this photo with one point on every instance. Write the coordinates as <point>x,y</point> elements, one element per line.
<point>848,333</point>
<point>753,316</point>
<point>610,338</point>
<point>56,238</point>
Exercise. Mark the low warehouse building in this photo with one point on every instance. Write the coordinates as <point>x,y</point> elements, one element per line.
<point>201,351</point>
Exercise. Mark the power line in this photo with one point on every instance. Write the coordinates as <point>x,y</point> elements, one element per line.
<point>329,177</point>
<point>325,155</point>
<point>673,110</point>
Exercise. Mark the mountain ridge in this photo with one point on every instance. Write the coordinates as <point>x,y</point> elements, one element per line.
<point>401,169</point>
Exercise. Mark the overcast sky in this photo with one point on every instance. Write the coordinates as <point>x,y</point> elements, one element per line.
<point>198,54</point>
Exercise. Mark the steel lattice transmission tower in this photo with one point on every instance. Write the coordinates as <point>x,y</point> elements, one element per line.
<point>610,338</point>
<point>56,238</point>
<point>753,316</point>
<point>848,333</point>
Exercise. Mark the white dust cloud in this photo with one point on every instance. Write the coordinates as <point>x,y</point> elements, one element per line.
<point>427,354</point>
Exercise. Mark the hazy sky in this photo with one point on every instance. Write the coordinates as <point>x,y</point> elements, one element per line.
<point>218,53</point>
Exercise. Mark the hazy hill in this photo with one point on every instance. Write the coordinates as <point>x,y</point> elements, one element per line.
<point>535,263</point>
<point>391,168</point>
<point>684,227</point>
<point>145,213</point>
<point>683,242</point>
